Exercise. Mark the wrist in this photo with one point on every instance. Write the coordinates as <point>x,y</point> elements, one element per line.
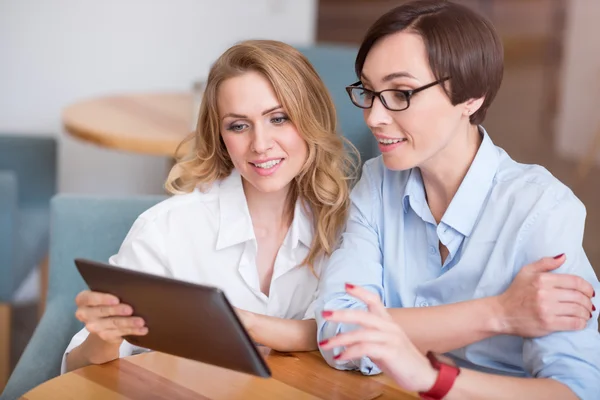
<point>427,379</point>
<point>496,316</point>
<point>97,351</point>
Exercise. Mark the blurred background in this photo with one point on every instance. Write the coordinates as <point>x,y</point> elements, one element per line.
<point>55,53</point>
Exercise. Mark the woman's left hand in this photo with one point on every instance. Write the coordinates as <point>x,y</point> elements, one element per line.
<point>382,340</point>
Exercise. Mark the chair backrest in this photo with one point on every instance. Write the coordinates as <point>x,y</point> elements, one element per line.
<point>335,66</point>
<point>33,160</point>
<point>82,226</point>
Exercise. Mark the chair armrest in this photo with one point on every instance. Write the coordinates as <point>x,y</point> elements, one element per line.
<point>8,226</point>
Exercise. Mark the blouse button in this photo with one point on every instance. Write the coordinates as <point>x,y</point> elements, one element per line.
<point>432,249</point>
<point>423,304</point>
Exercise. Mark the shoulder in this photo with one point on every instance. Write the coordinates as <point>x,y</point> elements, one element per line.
<point>197,202</point>
<point>532,189</point>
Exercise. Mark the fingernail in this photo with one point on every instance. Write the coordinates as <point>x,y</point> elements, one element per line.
<point>593,307</point>
<point>323,342</point>
<point>337,357</point>
<point>349,286</point>
<point>559,256</point>
<point>327,313</point>
<point>590,315</point>
<point>594,294</point>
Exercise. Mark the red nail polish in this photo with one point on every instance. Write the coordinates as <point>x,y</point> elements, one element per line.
<point>593,307</point>
<point>337,357</point>
<point>559,256</point>
<point>323,342</point>
<point>594,294</point>
<point>349,286</point>
<point>327,313</point>
<point>590,315</point>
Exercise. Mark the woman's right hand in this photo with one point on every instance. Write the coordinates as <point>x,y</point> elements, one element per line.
<point>538,302</point>
<point>108,319</point>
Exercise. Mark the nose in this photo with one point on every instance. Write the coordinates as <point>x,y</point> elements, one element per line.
<point>377,115</point>
<point>262,140</point>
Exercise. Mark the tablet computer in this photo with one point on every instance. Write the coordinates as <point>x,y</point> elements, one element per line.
<point>183,319</point>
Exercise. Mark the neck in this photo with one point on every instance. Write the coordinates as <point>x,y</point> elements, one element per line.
<point>268,210</point>
<point>443,174</point>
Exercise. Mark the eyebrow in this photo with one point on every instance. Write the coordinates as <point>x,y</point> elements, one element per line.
<point>270,110</point>
<point>392,76</point>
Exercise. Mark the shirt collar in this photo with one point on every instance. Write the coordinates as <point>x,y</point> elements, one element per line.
<point>235,225</point>
<point>414,193</point>
<point>235,222</point>
<point>301,229</point>
<point>464,210</point>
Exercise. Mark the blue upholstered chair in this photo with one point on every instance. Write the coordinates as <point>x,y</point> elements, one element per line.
<point>27,183</point>
<point>335,65</point>
<point>81,227</point>
<point>95,227</point>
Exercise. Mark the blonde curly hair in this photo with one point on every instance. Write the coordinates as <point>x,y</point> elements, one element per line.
<point>325,179</point>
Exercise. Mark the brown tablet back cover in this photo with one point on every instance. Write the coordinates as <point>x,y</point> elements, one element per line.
<point>183,319</point>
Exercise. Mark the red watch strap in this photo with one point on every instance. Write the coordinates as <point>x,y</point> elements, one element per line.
<point>444,382</point>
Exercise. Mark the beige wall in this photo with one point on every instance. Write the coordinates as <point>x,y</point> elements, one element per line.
<point>55,52</point>
<point>578,119</point>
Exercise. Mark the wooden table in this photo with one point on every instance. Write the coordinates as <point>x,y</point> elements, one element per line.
<point>142,123</point>
<point>160,376</point>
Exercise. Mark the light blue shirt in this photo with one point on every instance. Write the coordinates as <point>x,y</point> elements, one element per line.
<point>504,216</point>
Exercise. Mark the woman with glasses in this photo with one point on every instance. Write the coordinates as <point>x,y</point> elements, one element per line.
<point>442,224</point>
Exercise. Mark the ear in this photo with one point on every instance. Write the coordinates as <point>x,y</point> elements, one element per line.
<point>471,106</point>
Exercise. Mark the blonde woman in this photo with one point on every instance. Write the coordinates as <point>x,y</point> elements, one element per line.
<point>258,203</point>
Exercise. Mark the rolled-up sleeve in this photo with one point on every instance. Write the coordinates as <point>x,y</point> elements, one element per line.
<point>142,250</point>
<point>572,358</point>
<point>358,261</point>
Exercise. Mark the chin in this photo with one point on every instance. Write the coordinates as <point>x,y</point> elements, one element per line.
<point>269,185</point>
<point>397,163</point>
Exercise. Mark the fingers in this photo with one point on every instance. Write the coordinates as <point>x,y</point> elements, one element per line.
<point>568,324</point>
<point>547,264</point>
<point>576,297</point>
<point>119,324</point>
<point>375,351</point>
<point>572,310</point>
<point>573,282</point>
<point>358,336</point>
<point>88,314</point>
<point>372,300</point>
<point>116,335</point>
<point>362,318</point>
<point>87,298</point>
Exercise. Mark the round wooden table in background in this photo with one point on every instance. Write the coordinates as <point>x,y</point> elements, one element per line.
<point>143,123</point>
<point>160,376</point>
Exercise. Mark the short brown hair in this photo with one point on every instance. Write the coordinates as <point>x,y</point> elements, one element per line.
<point>460,44</point>
<point>324,181</point>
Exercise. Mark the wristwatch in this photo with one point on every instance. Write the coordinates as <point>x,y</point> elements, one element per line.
<point>448,371</point>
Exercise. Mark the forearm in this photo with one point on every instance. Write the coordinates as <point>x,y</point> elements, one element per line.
<point>449,327</point>
<point>92,351</point>
<point>283,334</point>
<point>477,385</point>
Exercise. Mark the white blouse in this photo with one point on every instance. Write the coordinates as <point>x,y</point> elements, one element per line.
<point>208,238</point>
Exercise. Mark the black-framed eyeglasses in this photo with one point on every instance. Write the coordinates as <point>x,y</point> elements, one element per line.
<point>392,99</point>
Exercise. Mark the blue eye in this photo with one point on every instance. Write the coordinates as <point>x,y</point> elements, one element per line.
<point>279,120</point>
<point>237,127</point>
